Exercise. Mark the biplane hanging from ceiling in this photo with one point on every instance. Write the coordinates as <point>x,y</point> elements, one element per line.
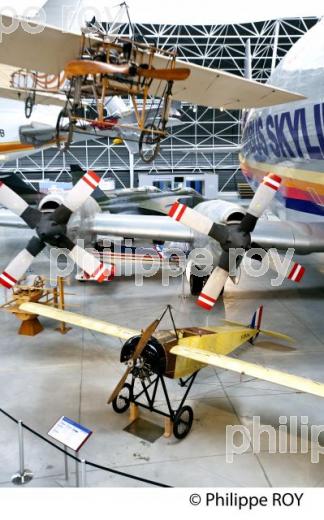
<point>152,356</point>
<point>90,68</point>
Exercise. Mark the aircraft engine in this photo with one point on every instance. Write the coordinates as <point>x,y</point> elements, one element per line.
<point>220,212</point>
<point>153,359</point>
<point>75,228</point>
<point>51,201</point>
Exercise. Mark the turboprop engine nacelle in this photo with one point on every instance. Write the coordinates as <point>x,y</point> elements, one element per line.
<point>51,201</point>
<point>221,212</point>
<point>75,226</point>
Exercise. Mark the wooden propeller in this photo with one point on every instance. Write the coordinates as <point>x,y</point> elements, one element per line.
<point>76,68</point>
<point>179,74</point>
<point>137,352</point>
<point>84,67</point>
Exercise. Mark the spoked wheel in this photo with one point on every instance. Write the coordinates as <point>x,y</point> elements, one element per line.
<point>121,403</point>
<point>183,422</point>
<point>29,105</point>
<point>149,143</point>
<point>64,130</point>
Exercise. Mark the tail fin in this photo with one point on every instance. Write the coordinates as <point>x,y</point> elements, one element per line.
<point>257,318</point>
<point>256,324</point>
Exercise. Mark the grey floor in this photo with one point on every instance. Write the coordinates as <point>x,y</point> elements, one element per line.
<point>50,375</point>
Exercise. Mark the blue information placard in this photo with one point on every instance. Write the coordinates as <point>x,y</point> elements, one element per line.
<point>70,433</point>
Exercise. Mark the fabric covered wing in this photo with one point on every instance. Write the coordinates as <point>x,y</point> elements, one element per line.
<point>216,88</point>
<point>8,92</point>
<point>50,49</point>
<point>47,51</point>
<point>251,369</point>
<point>79,320</point>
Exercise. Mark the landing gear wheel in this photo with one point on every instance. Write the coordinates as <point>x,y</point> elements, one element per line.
<point>121,403</point>
<point>183,422</point>
<point>149,143</point>
<point>29,105</point>
<point>64,130</point>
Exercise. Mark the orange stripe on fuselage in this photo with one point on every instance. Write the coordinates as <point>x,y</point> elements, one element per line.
<point>17,146</point>
<point>289,185</point>
<point>14,146</point>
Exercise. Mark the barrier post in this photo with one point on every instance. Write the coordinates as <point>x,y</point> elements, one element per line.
<point>66,463</point>
<point>23,475</point>
<point>83,474</point>
<point>77,480</point>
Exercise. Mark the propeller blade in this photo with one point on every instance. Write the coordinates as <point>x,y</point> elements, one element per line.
<point>212,288</point>
<point>76,197</point>
<point>137,352</point>
<point>144,339</point>
<point>260,202</point>
<point>84,67</point>
<point>19,265</point>
<point>10,200</point>
<point>119,386</point>
<point>87,261</point>
<point>295,271</point>
<point>195,220</point>
<point>179,74</point>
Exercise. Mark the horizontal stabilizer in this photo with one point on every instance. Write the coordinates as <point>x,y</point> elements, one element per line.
<point>272,333</point>
<point>79,320</point>
<point>275,334</point>
<point>251,369</point>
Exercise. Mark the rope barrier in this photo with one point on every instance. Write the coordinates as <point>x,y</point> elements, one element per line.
<point>88,463</point>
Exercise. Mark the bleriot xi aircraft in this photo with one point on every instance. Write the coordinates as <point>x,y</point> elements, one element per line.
<point>81,71</point>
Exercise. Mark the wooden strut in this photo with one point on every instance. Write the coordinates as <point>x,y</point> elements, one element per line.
<point>59,302</point>
<point>168,423</point>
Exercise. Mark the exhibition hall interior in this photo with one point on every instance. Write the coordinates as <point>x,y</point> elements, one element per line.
<point>162,240</point>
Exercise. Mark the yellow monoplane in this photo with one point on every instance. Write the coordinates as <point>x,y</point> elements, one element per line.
<point>176,354</point>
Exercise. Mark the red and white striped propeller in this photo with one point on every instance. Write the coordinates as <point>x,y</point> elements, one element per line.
<point>51,230</point>
<point>231,237</point>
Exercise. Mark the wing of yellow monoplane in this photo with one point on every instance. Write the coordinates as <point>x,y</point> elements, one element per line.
<point>251,369</point>
<point>79,320</point>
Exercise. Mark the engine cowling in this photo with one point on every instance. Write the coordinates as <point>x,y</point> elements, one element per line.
<point>51,201</point>
<point>75,227</point>
<point>221,212</point>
